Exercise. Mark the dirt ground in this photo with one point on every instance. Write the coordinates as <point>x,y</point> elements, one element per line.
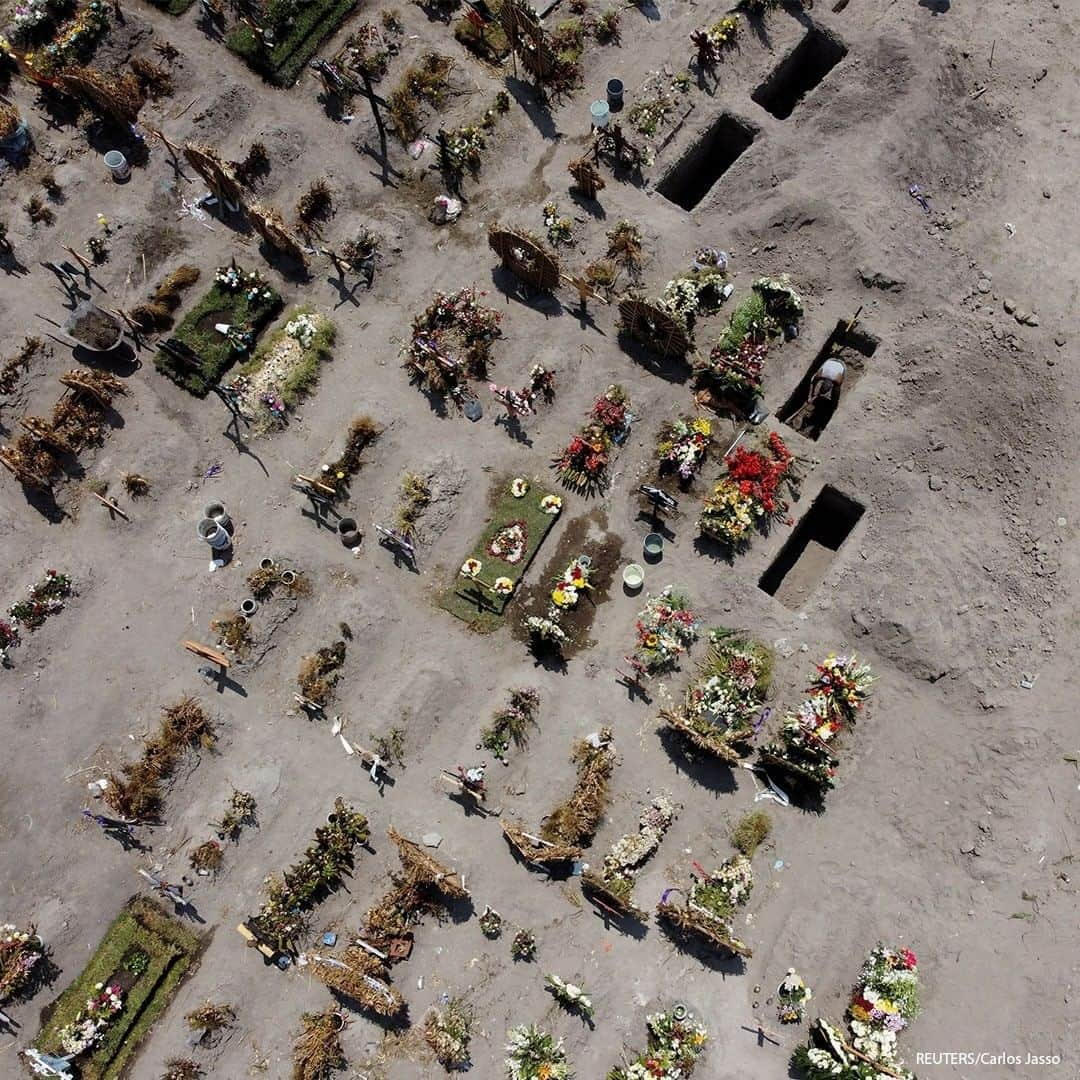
<point>952,827</point>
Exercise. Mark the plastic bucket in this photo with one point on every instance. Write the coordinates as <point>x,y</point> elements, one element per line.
<point>599,111</point>
<point>615,94</point>
<point>216,512</point>
<point>654,546</point>
<point>633,577</point>
<point>212,532</point>
<point>118,165</point>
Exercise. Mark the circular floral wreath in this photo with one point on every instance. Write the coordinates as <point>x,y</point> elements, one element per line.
<point>510,542</point>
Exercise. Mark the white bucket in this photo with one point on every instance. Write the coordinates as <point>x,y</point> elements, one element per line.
<point>599,111</point>
<point>117,164</point>
<point>212,532</point>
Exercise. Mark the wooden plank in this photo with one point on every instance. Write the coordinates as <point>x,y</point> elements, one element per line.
<point>110,504</point>
<point>207,653</point>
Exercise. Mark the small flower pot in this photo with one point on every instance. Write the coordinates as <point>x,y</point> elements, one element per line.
<point>287,577</point>
<point>266,564</point>
<point>248,607</point>
<point>219,514</point>
<point>633,577</point>
<point>212,532</point>
<point>118,165</point>
<point>347,530</point>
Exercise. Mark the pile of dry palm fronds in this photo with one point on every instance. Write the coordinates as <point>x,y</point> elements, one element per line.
<point>136,791</point>
<point>692,922</point>
<point>574,821</point>
<point>361,978</point>
<point>317,1052</point>
<point>422,886</point>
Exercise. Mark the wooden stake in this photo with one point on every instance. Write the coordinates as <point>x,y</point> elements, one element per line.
<point>84,262</point>
<point>176,116</point>
<point>110,504</point>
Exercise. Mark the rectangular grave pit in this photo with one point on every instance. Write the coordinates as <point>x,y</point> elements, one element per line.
<point>799,72</point>
<point>804,561</point>
<point>692,177</point>
<point>853,348</point>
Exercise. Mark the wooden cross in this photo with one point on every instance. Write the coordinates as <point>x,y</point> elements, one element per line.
<point>110,504</point>
<point>207,653</point>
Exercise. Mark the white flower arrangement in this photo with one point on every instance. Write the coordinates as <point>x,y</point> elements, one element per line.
<point>570,995</point>
<point>680,297</point>
<point>519,488</point>
<point>551,504</point>
<point>546,629</point>
<point>302,329</point>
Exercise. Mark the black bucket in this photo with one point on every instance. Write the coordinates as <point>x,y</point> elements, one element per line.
<point>615,94</point>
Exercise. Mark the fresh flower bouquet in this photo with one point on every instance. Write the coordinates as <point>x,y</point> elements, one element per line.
<point>748,496</point>
<point>303,329</point>
<point>551,504</point>
<point>666,628</point>
<point>802,749</point>
<point>9,636</point>
<point>20,951</point>
<point>844,683</point>
<point>89,1025</point>
<point>490,923</point>
<point>888,994</point>
<point>727,700</point>
<point>675,1043</point>
<point>73,38</point>
<point>510,543</point>
<point>547,630</point>
<point>451,339</point>
<point>573,581</point>
<point>683,445</point>
<point>535,1055</point>
<point>680,299</point>
<point>46,597</point>
<point>28,15</point>
<point>583,464</point>
<point>738,371</point>
<point>523,946</point>
<point>886,999</point>
<point>725,889</point>
<point>572,998</point>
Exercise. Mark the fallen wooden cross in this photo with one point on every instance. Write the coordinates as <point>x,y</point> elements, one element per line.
<point>110,504</point>
<point>208,653</point>
<point>254,942</point>
<point>311,482</point>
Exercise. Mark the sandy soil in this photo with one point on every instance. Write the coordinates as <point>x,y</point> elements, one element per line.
<point>956,813</point>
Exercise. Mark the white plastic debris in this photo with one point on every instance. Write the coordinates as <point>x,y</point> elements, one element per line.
<point>417,148</point>
<point>445,210</point>
<point>348,747</point>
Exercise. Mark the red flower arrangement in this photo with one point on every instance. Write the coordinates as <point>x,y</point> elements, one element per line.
<point>583,464</point>
<point>759,477</point>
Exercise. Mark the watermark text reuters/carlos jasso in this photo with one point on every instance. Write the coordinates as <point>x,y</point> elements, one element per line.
<point>983,1057</point>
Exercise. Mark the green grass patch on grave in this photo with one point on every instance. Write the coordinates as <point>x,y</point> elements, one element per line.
<point>145,954</point>
<point>509,542</point>
<point>285,367</point>
<point>295,43</point>
<point>487,40</point>
<point>240,299</point>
